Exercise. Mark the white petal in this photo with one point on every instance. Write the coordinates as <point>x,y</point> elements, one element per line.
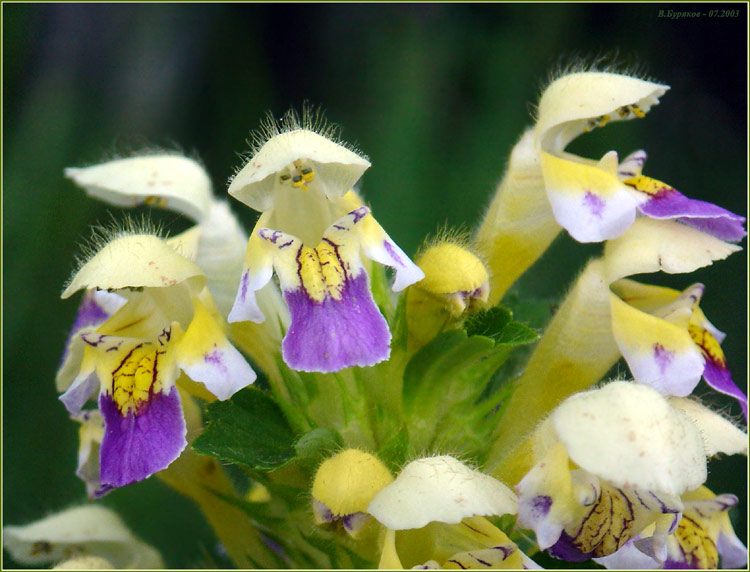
<point>652,245</point>
<point>719,434</point>
<point>335,167</point>
<point>632,165</point>
<point>439,489</point>
<point>631,436</point>
<point>205,355</point>
<point>570,101</point>
<point>257,272</point>
<point>133,261</point>
<point>220,254</point>
<point>95,529</point>
<point>659,354</point>
<point>378,246</point>
<point>170,181</point>
<point>587,200</point>
<point>628,558</point>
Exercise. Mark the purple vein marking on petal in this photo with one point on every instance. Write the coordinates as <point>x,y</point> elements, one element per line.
<point>333,334</point>
<point>139,444</point>
<point>89,314</point>
<point>718,377</point>
<point>392,253</point>
<point>216,359</point>
<point>594,203</point>
<point>704,216</point>
<point>359,214</point>
<point>244,284</point>
<point>663,357</point>
<point>540,506</point>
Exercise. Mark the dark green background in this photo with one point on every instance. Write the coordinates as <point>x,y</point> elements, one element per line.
<point>436,95</point>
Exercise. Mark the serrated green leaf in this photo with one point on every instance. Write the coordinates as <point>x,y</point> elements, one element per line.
<point>498,324</point>
<point>248,430</point>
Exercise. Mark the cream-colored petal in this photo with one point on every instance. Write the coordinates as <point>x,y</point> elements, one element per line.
<point>440,489</point>
<point>630,435</point>
<point>571,101</point>
<point>220,254</point>
<point>134,261</point>
<point>651,245</point>
<point>334,167</point>
<point>169,181</point>
<point>719,434</point>
<point>83,530</point>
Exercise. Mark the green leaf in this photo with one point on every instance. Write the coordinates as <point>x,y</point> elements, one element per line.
<point>248,430</point>
<point>321,442</point>
<point>497,323</point>
<point>395,450</point>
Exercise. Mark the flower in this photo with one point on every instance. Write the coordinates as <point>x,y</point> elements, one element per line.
<point>343,487</point>
<point>612,461</point>
<point>579,346</point>
<point>168,323</point>
<point>312,231</point>
<point>546,188</point>
<point>79,532</point>
<point>703,538</point>
<point>667,341</point>
<point>181,184</point>
<point>597,201</point>
<point>455,285</point>
<point>438,505</point>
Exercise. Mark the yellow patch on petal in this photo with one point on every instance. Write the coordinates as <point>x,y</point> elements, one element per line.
<point>696,543</point>
<point>573,178</point>
<point>707,343</point>
<point>136,378</point>
<point>647,185</point>
<point>609,524</point>
<point>321,271</point>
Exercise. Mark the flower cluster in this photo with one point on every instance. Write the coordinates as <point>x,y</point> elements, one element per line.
<point>402,416</point>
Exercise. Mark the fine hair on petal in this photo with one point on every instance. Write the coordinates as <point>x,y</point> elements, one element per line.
<point>312,118</point>
<point>103,234</point>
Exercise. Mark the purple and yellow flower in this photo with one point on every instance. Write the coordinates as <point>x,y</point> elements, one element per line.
<point>545,188</point>
<point>598,200</point>
<point>313,232</point>
<point>614,461</point>
<point>703,539</point>
<point>131,354</point>
<point>667,340</point>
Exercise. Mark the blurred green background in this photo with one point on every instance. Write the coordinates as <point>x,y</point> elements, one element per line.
<point>436,95</point>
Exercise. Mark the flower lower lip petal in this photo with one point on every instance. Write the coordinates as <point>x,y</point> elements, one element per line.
<point>141,442</point>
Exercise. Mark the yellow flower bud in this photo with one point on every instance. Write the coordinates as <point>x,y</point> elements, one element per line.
<point>348,481</point>
<point>456,284</point>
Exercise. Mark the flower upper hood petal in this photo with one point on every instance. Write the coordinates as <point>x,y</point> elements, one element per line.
<point>165,180</point>
<point>302,153</point>
<point>570,102</point>
<point>134,261</point>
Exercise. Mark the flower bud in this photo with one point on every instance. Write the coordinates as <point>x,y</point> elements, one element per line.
<point>456,284</point>
<point>344,486</point>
